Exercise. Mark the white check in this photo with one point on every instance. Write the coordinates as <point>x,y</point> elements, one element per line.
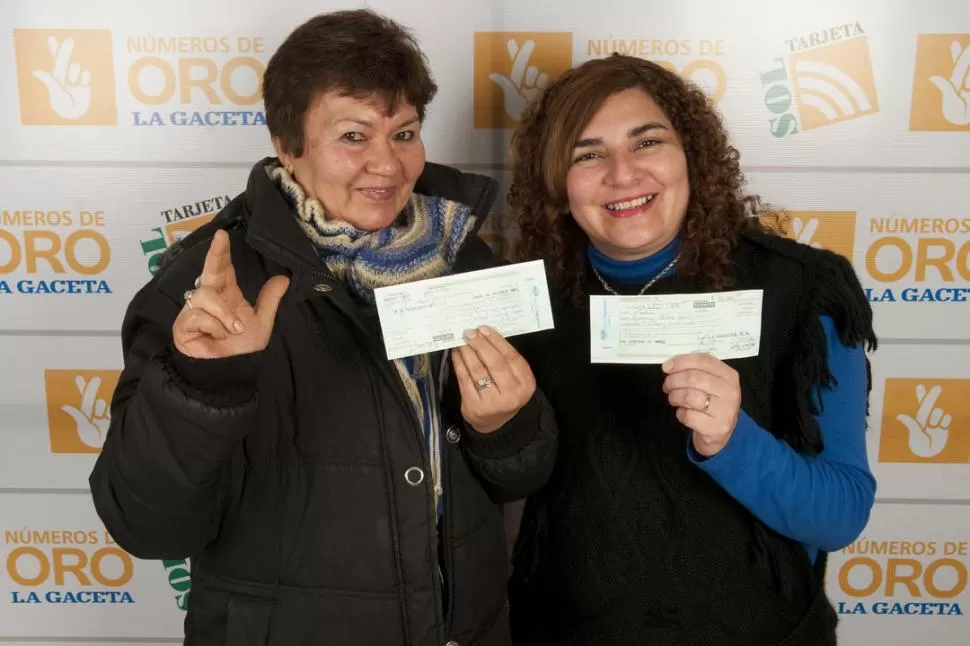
<point>652,329</point>
<point>433,314</point>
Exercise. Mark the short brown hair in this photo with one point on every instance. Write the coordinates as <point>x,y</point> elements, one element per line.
<point>356,52</point>
<point>541,153</point>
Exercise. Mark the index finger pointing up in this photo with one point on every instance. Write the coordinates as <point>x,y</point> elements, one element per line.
<point>217,262</point>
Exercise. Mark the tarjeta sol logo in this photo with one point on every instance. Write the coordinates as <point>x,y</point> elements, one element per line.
<point>67,77</point>
<point>53,252</point>
<point>180,580</point>
<point>179,222</point>
<point>901,577</point>
<point>66,566</point>
<point>826,78</point>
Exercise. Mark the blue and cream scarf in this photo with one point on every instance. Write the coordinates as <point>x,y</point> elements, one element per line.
<point>422,243</point>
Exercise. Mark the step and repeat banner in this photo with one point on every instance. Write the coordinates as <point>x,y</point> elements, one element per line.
<point>127,125</point>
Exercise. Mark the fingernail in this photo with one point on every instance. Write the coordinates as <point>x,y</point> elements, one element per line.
<point>470,334</point>
<point>238,325</point>
<point>485,330</point>
<point>667,365</point>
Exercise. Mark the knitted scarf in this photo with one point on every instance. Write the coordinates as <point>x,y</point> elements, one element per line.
<point>422,243</point>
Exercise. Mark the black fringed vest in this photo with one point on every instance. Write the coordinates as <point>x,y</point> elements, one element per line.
<point>630,543</point>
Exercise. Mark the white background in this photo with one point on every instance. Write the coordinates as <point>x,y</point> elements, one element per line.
<point>872,165</point>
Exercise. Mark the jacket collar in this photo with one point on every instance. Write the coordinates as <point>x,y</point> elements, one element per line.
<point>272,226</point>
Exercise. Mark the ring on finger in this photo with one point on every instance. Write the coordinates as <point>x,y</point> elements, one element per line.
<point>484,383</point>
<point>707,403</point>
<point>187,297</point>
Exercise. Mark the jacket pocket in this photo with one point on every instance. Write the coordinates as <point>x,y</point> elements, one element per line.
<point>247,621</point>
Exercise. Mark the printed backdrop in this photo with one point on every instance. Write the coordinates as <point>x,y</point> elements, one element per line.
<point>128,124</point>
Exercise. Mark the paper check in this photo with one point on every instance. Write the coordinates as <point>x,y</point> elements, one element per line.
<point>651,329</point>
<point>433,314</point>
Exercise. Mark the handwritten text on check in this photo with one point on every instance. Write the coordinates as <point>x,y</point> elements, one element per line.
<point>433,314</point>
<point>652,329</point>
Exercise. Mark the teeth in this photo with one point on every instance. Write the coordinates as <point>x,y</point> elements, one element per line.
<point>630,204</point>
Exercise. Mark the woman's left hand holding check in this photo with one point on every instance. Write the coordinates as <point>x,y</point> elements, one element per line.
<point>495,380</point>
<point>707,394</point>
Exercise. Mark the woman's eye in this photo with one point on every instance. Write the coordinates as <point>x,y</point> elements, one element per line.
<point>585,157</point>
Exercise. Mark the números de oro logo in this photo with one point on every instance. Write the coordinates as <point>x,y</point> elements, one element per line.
<point>901,577</point>
<point>512,68</point>
<point>196,81</point>
<point>66,566</point>
<point>695,60</point>
<point>53,252</point>
<point>73,77</point>
<point>900,259</point>
<point>921,259</point>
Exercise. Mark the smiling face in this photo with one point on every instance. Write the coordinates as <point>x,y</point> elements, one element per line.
<point>358,161</point>
<point>627,184</point>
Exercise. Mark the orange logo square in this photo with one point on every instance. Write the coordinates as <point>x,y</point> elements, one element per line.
<point>832,230</point>
<point>924,421</point>
<point>178,230</point>
<point>834,83</point>
<point>78,408</point>
<point>513,67</point>
<point>941,84</point>
<point>65,77</point>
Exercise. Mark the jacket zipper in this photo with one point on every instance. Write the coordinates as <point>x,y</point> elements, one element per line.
<point>447,515</point>
<point>402,397</point>
<point>275,253</point>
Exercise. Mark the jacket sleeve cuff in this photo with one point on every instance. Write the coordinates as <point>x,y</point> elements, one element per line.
<point>221,383</point>
<point>511,438</point>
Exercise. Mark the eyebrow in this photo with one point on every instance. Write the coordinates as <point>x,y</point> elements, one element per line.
<point>634,132</point>
<point>370,124</point>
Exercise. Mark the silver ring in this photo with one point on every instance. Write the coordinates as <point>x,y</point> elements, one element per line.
<point>484,383</point>
<point>187,297</point>
<point>198,282</point>
<point>707,404</point>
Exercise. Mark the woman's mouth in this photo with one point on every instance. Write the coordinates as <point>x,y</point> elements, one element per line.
<point>628,207</point>
<point>379,194</point>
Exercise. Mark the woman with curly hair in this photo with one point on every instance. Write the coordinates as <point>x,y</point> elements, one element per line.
<point>693,502</point>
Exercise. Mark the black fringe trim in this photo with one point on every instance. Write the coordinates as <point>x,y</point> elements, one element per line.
<point>832,289</point>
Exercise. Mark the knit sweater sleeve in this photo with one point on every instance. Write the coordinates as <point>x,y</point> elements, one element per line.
<point>822,501</point>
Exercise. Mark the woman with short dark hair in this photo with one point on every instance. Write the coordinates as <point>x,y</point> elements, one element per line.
<point>325,494</point>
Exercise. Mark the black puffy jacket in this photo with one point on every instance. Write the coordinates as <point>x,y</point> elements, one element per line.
<point>281,474</point>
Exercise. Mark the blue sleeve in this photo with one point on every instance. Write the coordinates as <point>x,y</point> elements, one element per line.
<point>821,501</point>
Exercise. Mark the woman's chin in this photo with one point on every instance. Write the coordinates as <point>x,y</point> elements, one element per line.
<point>372,219</point>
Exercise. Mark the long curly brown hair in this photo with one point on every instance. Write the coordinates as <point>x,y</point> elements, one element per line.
<point>541,148</point>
